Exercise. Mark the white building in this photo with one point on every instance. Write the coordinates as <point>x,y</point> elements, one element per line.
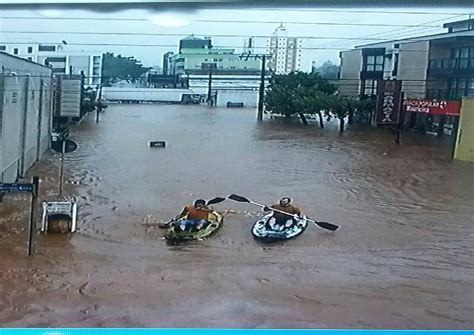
<point>61,58</point>
<point>25,115</point>
<point>285,51</point>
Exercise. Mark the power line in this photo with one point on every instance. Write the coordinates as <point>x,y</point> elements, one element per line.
<point>354,81</point>
<point>216,78</point>
<point>363,11</point>
<point>180,35</point>
<point>174,45</point>
<point>391,32</point>
<point>219,21</point>
<point>314,23</point>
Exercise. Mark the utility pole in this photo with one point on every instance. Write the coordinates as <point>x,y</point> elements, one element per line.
<point>98,103</point>
<point>262,90</point>
<point>209,66</point>
<point>209,87</point>
<point>261,94</point>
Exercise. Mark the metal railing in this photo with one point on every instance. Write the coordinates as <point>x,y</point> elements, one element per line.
<point>449,93</point>
<point>451,64</point>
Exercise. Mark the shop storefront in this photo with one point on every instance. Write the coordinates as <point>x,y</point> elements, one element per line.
<point>434,117</point>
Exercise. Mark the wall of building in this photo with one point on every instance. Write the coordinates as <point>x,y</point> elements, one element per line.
<point>25,115</point>
<point>351,66</point>
<point>200,83</point>
<point>225,59</point>
<point>286,54</point>
<point>438,51</point>
<point>413,67</point>
<point>87,61</point>
<point>465,138</point>
<point>248,98</point>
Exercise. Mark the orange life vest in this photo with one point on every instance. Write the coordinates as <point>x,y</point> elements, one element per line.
<point>197,214</point>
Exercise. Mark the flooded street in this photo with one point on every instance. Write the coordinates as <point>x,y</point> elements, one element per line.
<point>403,257</point>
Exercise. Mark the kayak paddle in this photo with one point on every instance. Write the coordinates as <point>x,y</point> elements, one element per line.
<point>324,225</point>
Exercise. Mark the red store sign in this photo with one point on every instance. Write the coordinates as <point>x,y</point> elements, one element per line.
<point>437,107</point>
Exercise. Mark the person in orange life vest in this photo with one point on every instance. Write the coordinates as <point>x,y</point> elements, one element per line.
<point>196,214</point>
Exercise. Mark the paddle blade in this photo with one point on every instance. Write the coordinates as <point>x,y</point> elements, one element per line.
<point>238,198</point>
<point>327,225</point>
<point>216,200</point>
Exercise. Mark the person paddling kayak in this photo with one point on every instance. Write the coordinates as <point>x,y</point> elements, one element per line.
<point>280,220</point>
<point>196,214</point>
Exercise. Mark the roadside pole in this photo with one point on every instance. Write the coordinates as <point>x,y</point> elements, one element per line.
<point>261,93</point>
<point>32,225</point>
<point>98,103</point>
<point>61,168</point>
<point>455,136</point>
<point>97,112</point>
<point>32,188</point>
<point>262,90</point>
<point>209,87</point>
<point>401,122</point>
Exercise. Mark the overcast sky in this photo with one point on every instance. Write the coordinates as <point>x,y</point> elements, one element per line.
<point>202,22</point>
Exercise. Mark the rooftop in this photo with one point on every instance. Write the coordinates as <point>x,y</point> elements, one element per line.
<point>3,53</point>
<point>194,38</point>
<point>458,23</point>
<point>420,38</point>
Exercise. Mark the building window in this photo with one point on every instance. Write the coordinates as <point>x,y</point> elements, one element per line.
<point>15,51</point>
<point>30,50</point>
<point>30,59</point>
<point>3,48</point>
<point>43,47</point>
<point>461,57</point>
<point>59,70</point>
<point>461,87</point>
<point>56,59</point>
<point>370,87</point>
<point>373,63</point>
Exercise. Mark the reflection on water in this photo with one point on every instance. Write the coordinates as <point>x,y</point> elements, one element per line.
<point>403,255</point>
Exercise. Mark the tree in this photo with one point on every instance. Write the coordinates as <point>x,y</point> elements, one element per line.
<point>297,93</point>
<point>121,68</point>
<point>328,70</point>
<point>311,101</point>
<point>340,107</point>
<point>365,110</point>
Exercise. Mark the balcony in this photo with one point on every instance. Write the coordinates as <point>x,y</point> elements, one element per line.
<point>451,94</point>
<point>451,67</point>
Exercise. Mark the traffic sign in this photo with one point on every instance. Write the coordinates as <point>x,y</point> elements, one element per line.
<point>59,207</point>
<point>157,144</point>
<point>60,134</point>
<point>16,188</point>
<point>32,188</point>
<point>70,146</point>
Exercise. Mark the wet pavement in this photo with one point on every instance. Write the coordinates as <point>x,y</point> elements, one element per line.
<point>403,257</point>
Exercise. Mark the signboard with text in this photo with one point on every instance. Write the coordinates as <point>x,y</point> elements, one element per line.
<point>16,188</point>
<point>436,107</point>
<point>389,100</point>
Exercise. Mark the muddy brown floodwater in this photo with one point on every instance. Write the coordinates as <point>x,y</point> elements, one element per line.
<point>403,258</point>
